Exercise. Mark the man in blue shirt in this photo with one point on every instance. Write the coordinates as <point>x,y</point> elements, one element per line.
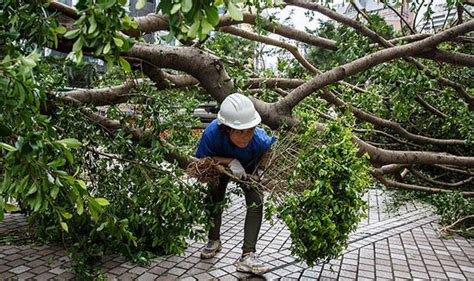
<point>234,140</point>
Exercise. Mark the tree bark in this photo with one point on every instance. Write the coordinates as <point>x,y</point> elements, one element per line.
<point>383,157</point>
<point>104,96</point>
<point>206,68</point>
<point>449,57</point>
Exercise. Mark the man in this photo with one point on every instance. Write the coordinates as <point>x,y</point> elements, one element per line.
<point>234,140</point>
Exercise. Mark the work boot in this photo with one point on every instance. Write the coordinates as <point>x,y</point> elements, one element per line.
<point>250,263</point>
<point>211,249</point>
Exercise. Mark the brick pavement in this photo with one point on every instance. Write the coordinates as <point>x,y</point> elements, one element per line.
<point>385,246</point>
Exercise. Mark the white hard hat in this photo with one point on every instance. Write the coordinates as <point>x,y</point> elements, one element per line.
<point>237,111</point>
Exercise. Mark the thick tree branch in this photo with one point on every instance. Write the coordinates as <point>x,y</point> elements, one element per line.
<point>63,9</point>
<point>165,80</point>
<point>283,83</point>
<point>206,68</point>
<point>379,39</point>
<point>420,36</point>
<point>383,157</point>
<point>449,57</point>
<point>104,96</point>
<point>391,169</point>
<point>371,60</point>
<point>153,22</point>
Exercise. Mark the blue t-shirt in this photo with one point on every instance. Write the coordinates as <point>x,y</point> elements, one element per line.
<point>214,142</point>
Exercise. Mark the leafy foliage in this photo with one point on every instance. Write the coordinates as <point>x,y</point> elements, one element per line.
<point>189,19</point>
<point>98,27</point>
<point>321,217</point>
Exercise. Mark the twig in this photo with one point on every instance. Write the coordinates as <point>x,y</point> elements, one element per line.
<point>450,228</point>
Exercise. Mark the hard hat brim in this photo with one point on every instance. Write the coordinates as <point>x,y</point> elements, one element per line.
<point>257,120</point>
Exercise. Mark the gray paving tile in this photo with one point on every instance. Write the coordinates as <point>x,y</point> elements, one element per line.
<point>19,269</point>
<point>147,277</point>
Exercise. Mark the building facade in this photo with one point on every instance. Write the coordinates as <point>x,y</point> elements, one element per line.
<point>441,16</point>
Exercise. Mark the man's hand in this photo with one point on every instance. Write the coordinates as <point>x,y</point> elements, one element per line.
<point>237,169</point>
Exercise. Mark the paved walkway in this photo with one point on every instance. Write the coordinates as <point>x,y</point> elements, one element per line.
<point>385,246</point>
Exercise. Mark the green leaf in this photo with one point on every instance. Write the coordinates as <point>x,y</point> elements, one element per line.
<point>66,215</point>
<point>234,12</point>
<point>72,143</point>
<point>212,15</point>
<point>125,65</point>
<point>81,184</point>
<point>107,48</point>
<point>50,178</point>
<point>101,227</point>
<point>80,206</point>
<point>193,29</point>
<point>94,209</point>
<point>32,190</point>
<point>186,6</point>
<point>140,4</point>
<point>107,4</point>
<point>206,27</point>
<point>69,156</point>
<point>78,56</point>
<point>28,62</point>
<point>118,42</point>
<point>54,192</point>
<point>93,25</point>
<point>7,146</point>
<point>102,201</point>
<point>10,207</point>
<point>72,33</point>
<point>57,163</point>
<point>37,202</point>
<point>64,226</point>
<point>175,8</point>
<point>61,30</point>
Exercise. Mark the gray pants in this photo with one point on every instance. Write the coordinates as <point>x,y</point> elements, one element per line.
<point>253,218</point>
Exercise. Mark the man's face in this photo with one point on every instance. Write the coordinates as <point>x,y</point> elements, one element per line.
<point>241,138</point>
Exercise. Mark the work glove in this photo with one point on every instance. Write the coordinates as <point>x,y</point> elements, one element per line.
<point>237,169</point>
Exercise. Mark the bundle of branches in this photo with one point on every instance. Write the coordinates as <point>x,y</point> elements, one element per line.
<point>205,170</point>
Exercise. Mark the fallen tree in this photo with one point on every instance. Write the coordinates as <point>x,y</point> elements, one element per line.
<point>408,106</point>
